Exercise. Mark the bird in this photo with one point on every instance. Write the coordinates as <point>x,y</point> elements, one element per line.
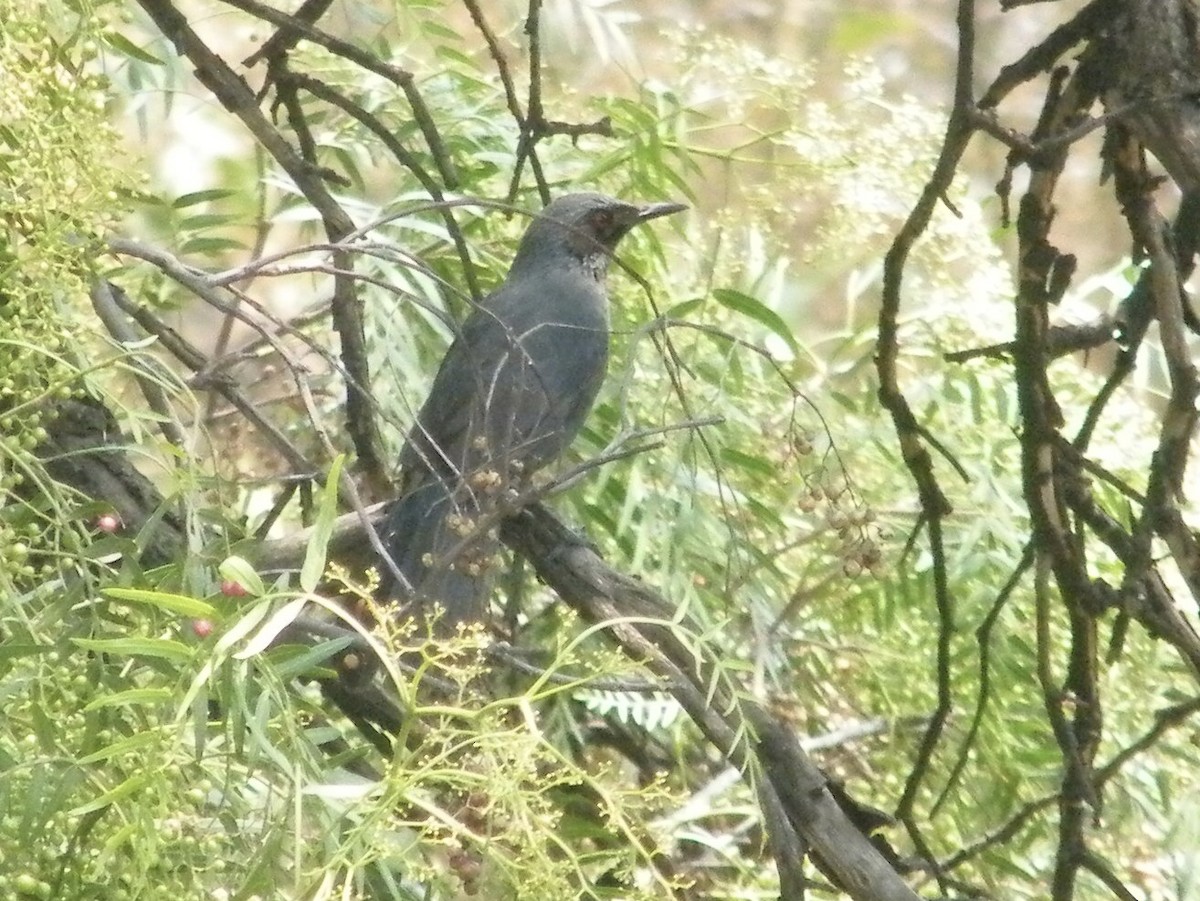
<point>509,397</point>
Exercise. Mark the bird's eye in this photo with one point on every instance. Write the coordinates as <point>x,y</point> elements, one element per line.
<point>602,221</point>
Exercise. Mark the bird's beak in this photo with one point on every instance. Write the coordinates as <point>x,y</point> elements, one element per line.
<point>654,210</point>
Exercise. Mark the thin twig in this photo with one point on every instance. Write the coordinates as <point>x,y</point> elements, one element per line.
<point>109,313</point>
<point>192,358</point>
<point>934,504</point>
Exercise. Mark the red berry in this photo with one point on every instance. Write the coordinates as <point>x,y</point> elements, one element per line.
<point>202,627</point>
<point>233,588</point>
<point>108,522</point>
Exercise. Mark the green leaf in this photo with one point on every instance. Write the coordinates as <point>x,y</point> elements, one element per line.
<point>201,221</point>
<point>126,788</point>
<point>132,697</point>
<point>455,56</point>
<point>122,44</point>
<point>757,465</point>
<point>758,311</point>
<point>280,620</point>
<point>295,665</point>
<point>685,309</point>
<point>163,648</point>
<point>434,29</point>
<point>210,245</point>
<point>314,559</point>
<point>195,197</point>
<point>238,569</point>
<point>133,743</point>
<point>173,603</point>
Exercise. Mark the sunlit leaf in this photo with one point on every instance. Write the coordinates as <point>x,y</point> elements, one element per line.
<point>173,603</point>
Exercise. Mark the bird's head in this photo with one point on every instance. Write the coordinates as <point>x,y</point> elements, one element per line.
<point>582,229</point>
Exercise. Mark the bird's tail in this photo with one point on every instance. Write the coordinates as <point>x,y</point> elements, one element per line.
<point>429,534</point>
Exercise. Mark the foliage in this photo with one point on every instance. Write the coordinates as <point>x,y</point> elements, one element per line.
<point>60,193</point>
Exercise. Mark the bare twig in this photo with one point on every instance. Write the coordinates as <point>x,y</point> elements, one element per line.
<point>405,158</point>
<point>235,95</point>
<point>109,313</point>
<point>192,358</point>
<point>934,504</point>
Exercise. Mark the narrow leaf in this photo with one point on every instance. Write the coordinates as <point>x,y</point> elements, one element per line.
<point>270,630</point>
<point>238,569</point>
<point>195,197</point>
<point>314,559</point>
<point>132,697</point>
<point>126,788</point>
<point>122,44</point>
<point>173,603</point>
<point>301,663</point>
<point>133,743</point>
<point>141,647</point>
<point>758,311</point>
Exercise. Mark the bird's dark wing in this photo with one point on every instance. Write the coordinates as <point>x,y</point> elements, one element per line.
<point>571,360</point>
<point>442,425</point>
<point>513,387</point>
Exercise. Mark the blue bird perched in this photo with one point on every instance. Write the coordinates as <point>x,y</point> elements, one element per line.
<point>510,396</point>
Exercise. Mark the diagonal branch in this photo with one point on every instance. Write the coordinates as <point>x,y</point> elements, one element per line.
<point>757,744</point>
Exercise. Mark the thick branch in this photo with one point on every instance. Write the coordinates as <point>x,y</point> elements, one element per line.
<point>640,620</point>
<point>1154,53</point>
